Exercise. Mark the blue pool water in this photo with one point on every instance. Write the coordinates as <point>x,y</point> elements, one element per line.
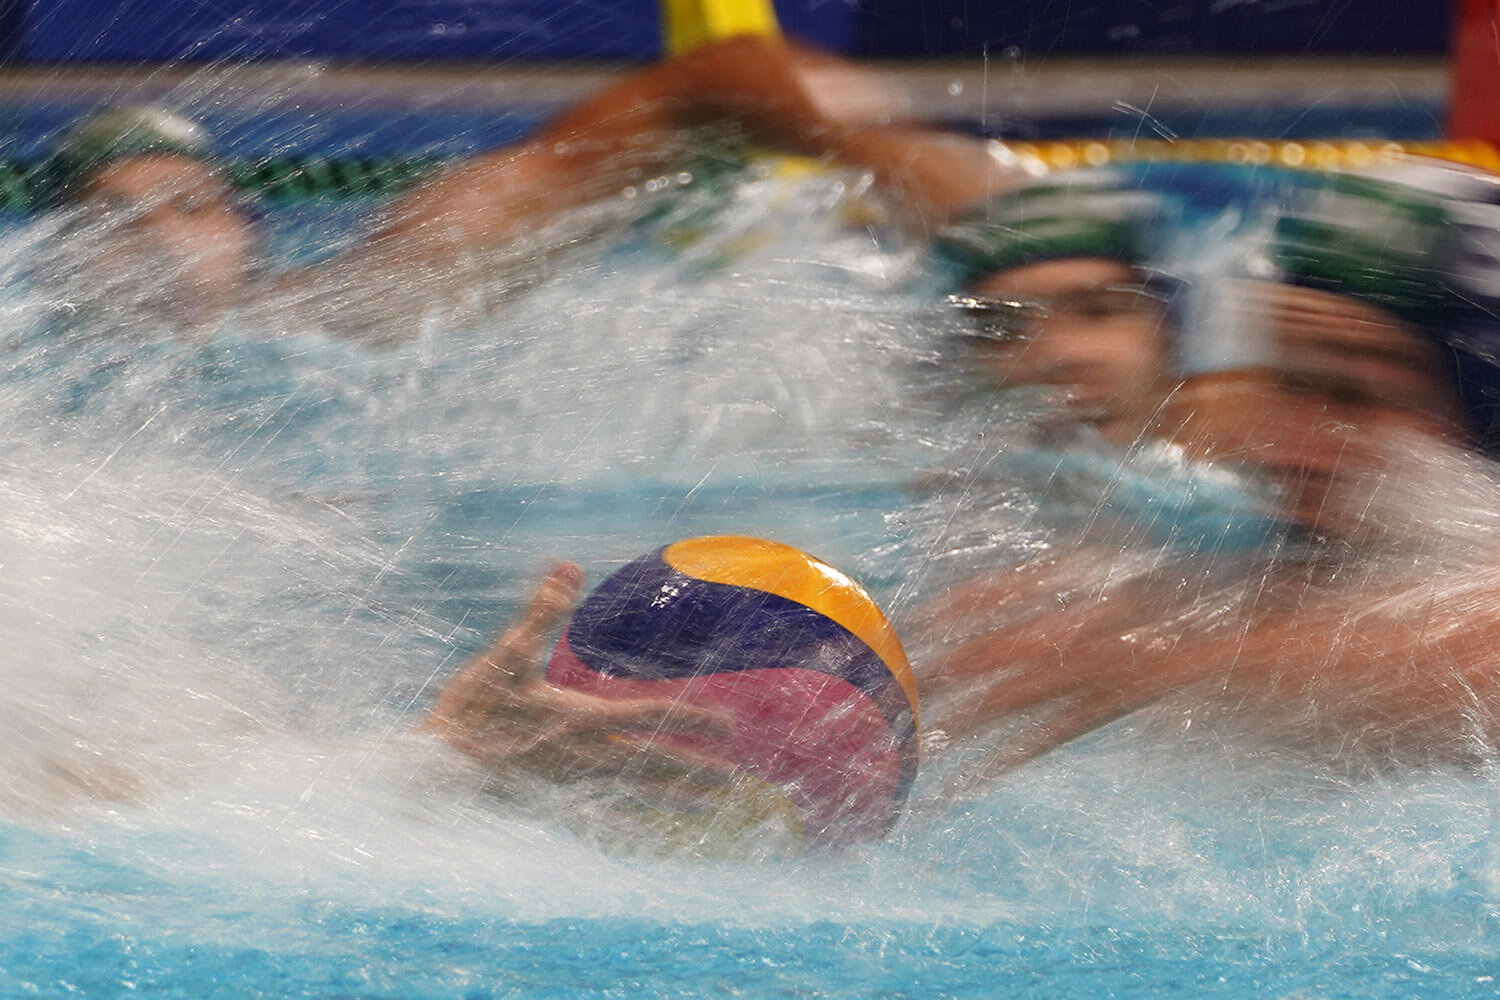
<point>230,574</point>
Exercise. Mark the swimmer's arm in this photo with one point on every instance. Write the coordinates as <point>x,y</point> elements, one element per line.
<point>1400,668</point>
<point>796,99</point>
<point>432,244</point>
<point>1015,623</point>
<point>626,133</point>
<point>501,711</point>
<point>782,96</point>
<point>937,176</point>
<point>1406,672</point>
<point>773,94</point>
<point>1026,660</point>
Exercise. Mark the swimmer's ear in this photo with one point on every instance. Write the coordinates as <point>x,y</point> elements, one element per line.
<point>688,24</point>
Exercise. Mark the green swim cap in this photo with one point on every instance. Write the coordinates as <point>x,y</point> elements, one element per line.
<point>1092,217</point>
<point>1386,244</point>
<point>117,133</point>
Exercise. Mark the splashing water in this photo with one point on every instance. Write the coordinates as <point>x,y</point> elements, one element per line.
<point>234,570</point>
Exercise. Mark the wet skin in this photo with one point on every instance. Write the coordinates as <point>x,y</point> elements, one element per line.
<point>1303,419</point>
<point>501,710</point>
<point>176,215</point>
<point>184,229</point>
<point>1398,668</point>
<point>1106,362</point>
<point>1348,377</point>
<point>1349,382</point>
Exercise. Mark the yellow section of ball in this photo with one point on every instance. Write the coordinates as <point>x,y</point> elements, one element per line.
<point>788,572</point>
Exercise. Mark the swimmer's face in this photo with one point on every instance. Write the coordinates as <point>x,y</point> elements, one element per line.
<point>1098,343</point>
<point>1350,386</point>
<point>175,220</point>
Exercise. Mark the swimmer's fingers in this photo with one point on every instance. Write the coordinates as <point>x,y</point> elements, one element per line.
<point>495,683</point>
<point>555,714</point>
<point>561,734</point>
<point>635,738</point>
<point>643,763</point>
<point>501,711</point>
<point>516,658</point>
<point>646,717</point>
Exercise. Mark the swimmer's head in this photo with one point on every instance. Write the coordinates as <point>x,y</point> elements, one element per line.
<point>1417,245</point>
<point>117,133</point>
<point>156,207</point>
<point>1470,331</point>
<point>1332,356</point>
<point>1055,286</point>
<point>1342,391</point>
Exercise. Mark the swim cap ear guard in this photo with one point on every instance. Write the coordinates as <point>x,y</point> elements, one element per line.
<point>112,134</point>
<point>1067,217</point>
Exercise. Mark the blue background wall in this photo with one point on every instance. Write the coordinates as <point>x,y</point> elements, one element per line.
<point>1040,26</point>
<point>115,30</point>
<point>51,31</point>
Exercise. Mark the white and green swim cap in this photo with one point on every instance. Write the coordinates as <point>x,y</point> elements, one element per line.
<point>1389,244</point>
<point>1069,215</point>
<point>117,133</point>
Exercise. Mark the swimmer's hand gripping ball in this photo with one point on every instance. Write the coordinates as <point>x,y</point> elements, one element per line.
<point>822,700</point>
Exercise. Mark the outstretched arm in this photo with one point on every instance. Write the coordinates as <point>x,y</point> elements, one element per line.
<point>1403,671</point>
<point>775,95</point>
<point>778,95</point>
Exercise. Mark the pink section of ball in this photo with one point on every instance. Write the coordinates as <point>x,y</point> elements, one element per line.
<point>814,735</point>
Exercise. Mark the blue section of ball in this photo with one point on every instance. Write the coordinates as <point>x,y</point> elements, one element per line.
<point>649,621</point>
